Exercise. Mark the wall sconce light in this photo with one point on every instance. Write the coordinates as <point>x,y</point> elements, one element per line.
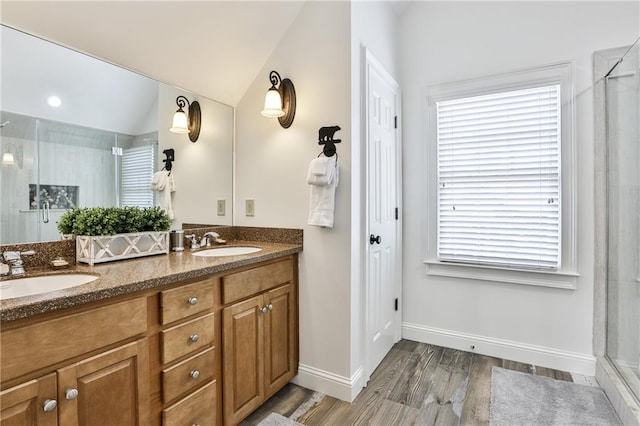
<point>183,124</point>
<point>280,101</point>
<point>8,158</point>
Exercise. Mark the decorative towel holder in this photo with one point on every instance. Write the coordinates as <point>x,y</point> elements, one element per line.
<point>170,158</point>
<point>325,137</point>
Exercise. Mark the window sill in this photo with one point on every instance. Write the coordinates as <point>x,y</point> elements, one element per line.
<point>554,279</point>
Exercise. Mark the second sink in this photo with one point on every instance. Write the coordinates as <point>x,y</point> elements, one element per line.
<point>227,251</point>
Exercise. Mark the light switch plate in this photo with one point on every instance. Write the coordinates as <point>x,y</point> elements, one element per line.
<point>249,208</point>
<point>221,207</point>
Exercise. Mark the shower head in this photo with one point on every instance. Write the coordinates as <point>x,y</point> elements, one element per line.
<point>4,123</point>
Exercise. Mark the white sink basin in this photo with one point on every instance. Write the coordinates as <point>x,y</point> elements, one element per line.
<point>227,251</point>
<point>35,285</point>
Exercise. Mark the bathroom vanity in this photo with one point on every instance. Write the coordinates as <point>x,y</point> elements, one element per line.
<point>175,339</point>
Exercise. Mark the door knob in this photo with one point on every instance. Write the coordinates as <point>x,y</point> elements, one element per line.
<point>373,239</point>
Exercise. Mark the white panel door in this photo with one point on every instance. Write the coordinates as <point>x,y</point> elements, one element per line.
<point>382,201</point>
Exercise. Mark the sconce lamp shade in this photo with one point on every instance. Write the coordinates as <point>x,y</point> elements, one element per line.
<point>187,123</point>
<point>179,124</point>
<point>8,158</point>
<point>280,101</point>
<point>272,104</point>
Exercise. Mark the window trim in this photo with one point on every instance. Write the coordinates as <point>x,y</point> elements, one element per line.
<point>566,276</point>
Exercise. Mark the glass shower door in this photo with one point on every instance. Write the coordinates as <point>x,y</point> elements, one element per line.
<point>19,217</point>
<point>622,91</point>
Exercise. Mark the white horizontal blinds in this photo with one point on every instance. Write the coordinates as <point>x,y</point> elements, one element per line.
<point>499,179</point>
<point>137,173</point>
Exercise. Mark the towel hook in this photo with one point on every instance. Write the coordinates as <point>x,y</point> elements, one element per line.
<point>170,157</point>
<point>325,137</point>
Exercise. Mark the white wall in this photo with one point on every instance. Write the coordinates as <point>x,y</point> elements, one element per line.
<point>271,168</point>
<point>448,41</point>
<point>203,170</point>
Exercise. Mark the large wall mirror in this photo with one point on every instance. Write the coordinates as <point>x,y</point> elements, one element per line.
<point>77,131</point>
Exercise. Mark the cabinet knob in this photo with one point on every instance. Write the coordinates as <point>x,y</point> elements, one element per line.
<point>264,309</point>
<point>270,307</point>
<point>193,300</point>
<point>194,374</point>
<point>71,394</point>
<point>194,338</point>
<point>50,405</point>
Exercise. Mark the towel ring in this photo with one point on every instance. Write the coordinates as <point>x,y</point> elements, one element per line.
<point>325,154</point>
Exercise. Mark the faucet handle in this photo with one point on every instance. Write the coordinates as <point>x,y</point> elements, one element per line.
<point>28,253</point>
<point>194,242</point>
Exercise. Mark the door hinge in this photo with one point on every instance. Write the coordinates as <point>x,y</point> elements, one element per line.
<point>396,304</point>
<point>116,150</point>
<point>396,213</point>
<point>395,122</point>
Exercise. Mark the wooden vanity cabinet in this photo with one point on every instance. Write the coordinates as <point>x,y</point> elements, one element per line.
<point>156,358</point>
<point>259,336</point>
<point>81,384</point>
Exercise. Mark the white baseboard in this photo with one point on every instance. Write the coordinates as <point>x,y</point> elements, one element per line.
<point>517,351</point>
<point>340,387</point>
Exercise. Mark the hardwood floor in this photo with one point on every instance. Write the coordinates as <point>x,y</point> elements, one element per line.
<point>416,384</point>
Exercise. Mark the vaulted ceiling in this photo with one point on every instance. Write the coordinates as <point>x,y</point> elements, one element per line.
<point>213,48</point>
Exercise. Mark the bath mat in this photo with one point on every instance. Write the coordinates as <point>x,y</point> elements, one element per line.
<point>519,399</point>
<point>275,419</point>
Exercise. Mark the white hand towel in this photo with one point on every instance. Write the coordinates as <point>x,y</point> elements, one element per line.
<point>319,166</point>
<point>164,184</point>
<point>322,199</point>
<point>327,166</point>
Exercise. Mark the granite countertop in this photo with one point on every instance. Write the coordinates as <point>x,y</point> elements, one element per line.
<point>129,276</point>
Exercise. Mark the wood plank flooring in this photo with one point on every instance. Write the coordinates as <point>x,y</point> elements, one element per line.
<point>415,384</point>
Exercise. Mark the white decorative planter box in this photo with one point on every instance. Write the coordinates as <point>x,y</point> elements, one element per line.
<point>108,248</point>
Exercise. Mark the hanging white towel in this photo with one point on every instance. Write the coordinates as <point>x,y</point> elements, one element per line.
<point>321,171</point>
<point>164,184</point>
<point>323,195</point>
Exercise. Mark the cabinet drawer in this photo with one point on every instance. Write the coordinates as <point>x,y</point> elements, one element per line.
<point>46,343</point>
<point>187,300</point>
<point>188,337</point>
<point>188,374</point>
<point>199,408</point>
<point>246,283</point>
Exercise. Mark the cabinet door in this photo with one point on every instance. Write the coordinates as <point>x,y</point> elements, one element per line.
<point>279,325</point>
<point>24,405</point>
<point>112,388</point>
<point>243,358</point>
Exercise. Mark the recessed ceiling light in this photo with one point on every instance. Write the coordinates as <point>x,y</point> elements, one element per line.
<point>54,101</point>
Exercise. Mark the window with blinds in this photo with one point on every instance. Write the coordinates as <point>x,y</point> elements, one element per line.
<point>137,173</point>
<point>498,165</point>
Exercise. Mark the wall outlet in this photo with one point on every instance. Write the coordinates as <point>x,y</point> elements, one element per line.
<point>221,207</point>
<point>249,208</point>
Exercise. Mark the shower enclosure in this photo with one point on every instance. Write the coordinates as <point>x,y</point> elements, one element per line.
<point>48,167</point>
<point>622,127</point>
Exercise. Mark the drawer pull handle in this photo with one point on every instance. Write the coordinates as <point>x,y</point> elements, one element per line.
<point>270,307</point>
<point>194,338</point>
<point>193,300</point>
<point>194,374</point>
<point>50,405</point>
<point>71,394</point>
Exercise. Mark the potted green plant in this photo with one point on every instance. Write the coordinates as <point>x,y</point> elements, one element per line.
<point>105,234</point>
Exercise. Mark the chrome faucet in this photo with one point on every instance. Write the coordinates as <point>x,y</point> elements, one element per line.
<point>14,260</point>
<point>204,242</point>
